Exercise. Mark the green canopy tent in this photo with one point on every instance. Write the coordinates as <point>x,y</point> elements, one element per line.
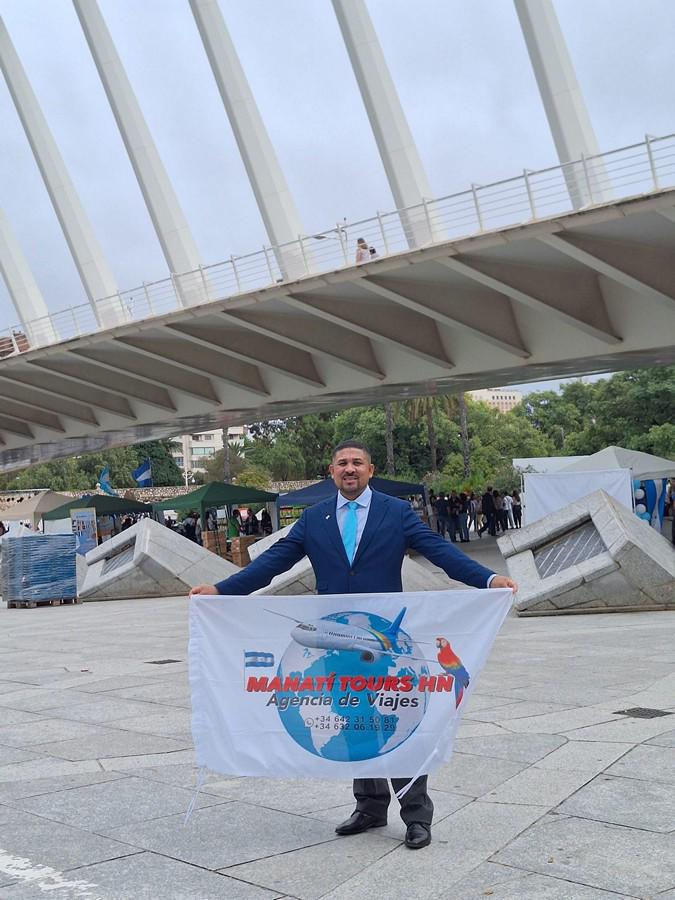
<point>216,495</point>
<point>102,503</point>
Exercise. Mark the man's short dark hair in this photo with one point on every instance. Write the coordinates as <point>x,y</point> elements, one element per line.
<point>353,444</point>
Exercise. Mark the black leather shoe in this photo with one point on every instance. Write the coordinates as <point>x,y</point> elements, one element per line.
<point>358,822</point>
<point>417,835</point>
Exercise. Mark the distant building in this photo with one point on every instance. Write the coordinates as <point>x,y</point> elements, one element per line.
<point>191,452</point>
<point>501,399</point>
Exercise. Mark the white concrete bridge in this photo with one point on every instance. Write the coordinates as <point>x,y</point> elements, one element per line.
<point>570,270</point>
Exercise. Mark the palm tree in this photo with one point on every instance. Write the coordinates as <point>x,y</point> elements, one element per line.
<point>424,407</point>
<point>389,412</point>
<point>227,468</point>
<point>464,434</point>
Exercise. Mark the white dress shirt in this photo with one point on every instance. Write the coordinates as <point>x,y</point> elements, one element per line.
<point>362,511</point>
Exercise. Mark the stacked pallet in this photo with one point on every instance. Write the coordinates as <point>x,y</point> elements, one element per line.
<point>38,568</point>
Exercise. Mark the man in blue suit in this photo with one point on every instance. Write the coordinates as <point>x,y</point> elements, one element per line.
<point>356,544</point>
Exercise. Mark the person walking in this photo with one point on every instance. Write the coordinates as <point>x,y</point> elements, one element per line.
<point>443,512</point>
<point>356,542</point>
<point>362,252</point>
<point>517,509</point>
<point>489,511</point>
<point>433,513</point>
<point>464,514</point>
<point>455,505</point>
<point>508,510</point>
<point>499,510</point>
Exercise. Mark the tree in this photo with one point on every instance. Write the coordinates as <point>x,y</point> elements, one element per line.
<point>81,473</point>
<point>389,438</point>
<point>164,468</point>
<point>227,468</point>
<point>215,465</point>
<point>464,434</point>
<point>254,477</point>
<point>659,440</point>
<point>427,408</point>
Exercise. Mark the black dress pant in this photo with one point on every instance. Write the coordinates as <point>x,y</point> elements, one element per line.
<point>373,797</point>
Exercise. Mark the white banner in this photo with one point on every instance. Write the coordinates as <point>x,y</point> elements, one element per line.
<point>547,493</point>
<point>359,686</point>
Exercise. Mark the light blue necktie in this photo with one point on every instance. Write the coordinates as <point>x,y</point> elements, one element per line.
<point>349,530</point>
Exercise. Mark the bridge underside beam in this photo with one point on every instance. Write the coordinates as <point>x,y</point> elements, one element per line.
<point>587,293</point>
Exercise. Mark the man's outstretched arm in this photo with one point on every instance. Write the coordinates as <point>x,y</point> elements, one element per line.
<point>279,558</point>
<point>455,564</point>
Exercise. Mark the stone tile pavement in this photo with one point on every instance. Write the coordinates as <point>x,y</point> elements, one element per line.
<point>551,795</point>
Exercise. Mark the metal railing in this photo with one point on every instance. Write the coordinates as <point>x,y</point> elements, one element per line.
<point>533,196</point>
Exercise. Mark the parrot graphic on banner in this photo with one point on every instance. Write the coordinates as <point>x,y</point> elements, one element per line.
<point>104,482</point>
<point>452,664</point>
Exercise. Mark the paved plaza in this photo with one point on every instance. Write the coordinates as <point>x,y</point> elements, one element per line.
<point>552,792</point>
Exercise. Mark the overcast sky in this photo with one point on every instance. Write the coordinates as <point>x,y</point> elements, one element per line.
<point>461,69</point>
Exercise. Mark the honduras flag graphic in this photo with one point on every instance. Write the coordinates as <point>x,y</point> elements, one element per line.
<point>143,474</point>
<point>258,658</point>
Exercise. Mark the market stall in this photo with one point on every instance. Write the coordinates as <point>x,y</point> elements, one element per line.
<point>214,496</point>
<point>93,518</point>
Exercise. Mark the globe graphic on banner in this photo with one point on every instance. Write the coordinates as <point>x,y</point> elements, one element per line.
<point>364,728</point>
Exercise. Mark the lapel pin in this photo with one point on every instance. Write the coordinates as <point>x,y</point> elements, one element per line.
<point>328,516</point>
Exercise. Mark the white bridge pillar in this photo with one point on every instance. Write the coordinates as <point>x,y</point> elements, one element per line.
<point>397,147</point>
<point>95,274</point>
<point>177,243</point>
<point>23,290</point>
<point>568,117</point>
<point>272,194</point>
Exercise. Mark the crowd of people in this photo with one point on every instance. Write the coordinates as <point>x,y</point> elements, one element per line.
<point>456,514</point>
<point>242,522</point>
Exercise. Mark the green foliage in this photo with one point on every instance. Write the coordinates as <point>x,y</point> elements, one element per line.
<point>214,464</point>
<point>164,469</point>
<point>255,477</point>
<point>80,473</point>
<point>659,440</point>
<point>621,410</point>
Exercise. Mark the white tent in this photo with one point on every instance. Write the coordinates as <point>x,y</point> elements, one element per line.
<point>33,509</point>
<point>643,466</point>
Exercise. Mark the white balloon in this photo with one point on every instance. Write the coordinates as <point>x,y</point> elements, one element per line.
<point>640,508</point>
<point>638,494</point>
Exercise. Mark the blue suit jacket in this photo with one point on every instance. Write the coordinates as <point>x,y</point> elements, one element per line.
<point>392,526</point>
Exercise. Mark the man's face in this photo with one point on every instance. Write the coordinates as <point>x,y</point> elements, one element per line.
<point>351,471</point>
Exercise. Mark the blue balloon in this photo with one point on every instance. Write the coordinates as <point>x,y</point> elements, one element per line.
<point>645,515</point>
<point>636,483</point>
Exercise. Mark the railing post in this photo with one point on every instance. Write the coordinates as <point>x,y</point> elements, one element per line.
<point>205,283</point>
<point>474,191</point>
<point>148,300</point>
<point>176,289</point>
<point>425,206</point>
<point>385,242</point>
<point>584,164</point>
<point>236,274</point>
<point>652,162</point>
<point>12,336</point>
<point>304,255</point>
<point>269,264</point>
<point>343,242</point>
<point>76,327</point>
<point>530,196</point>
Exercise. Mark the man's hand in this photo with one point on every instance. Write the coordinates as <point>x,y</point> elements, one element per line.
<point>503,581</point>
<point>211,589</point>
